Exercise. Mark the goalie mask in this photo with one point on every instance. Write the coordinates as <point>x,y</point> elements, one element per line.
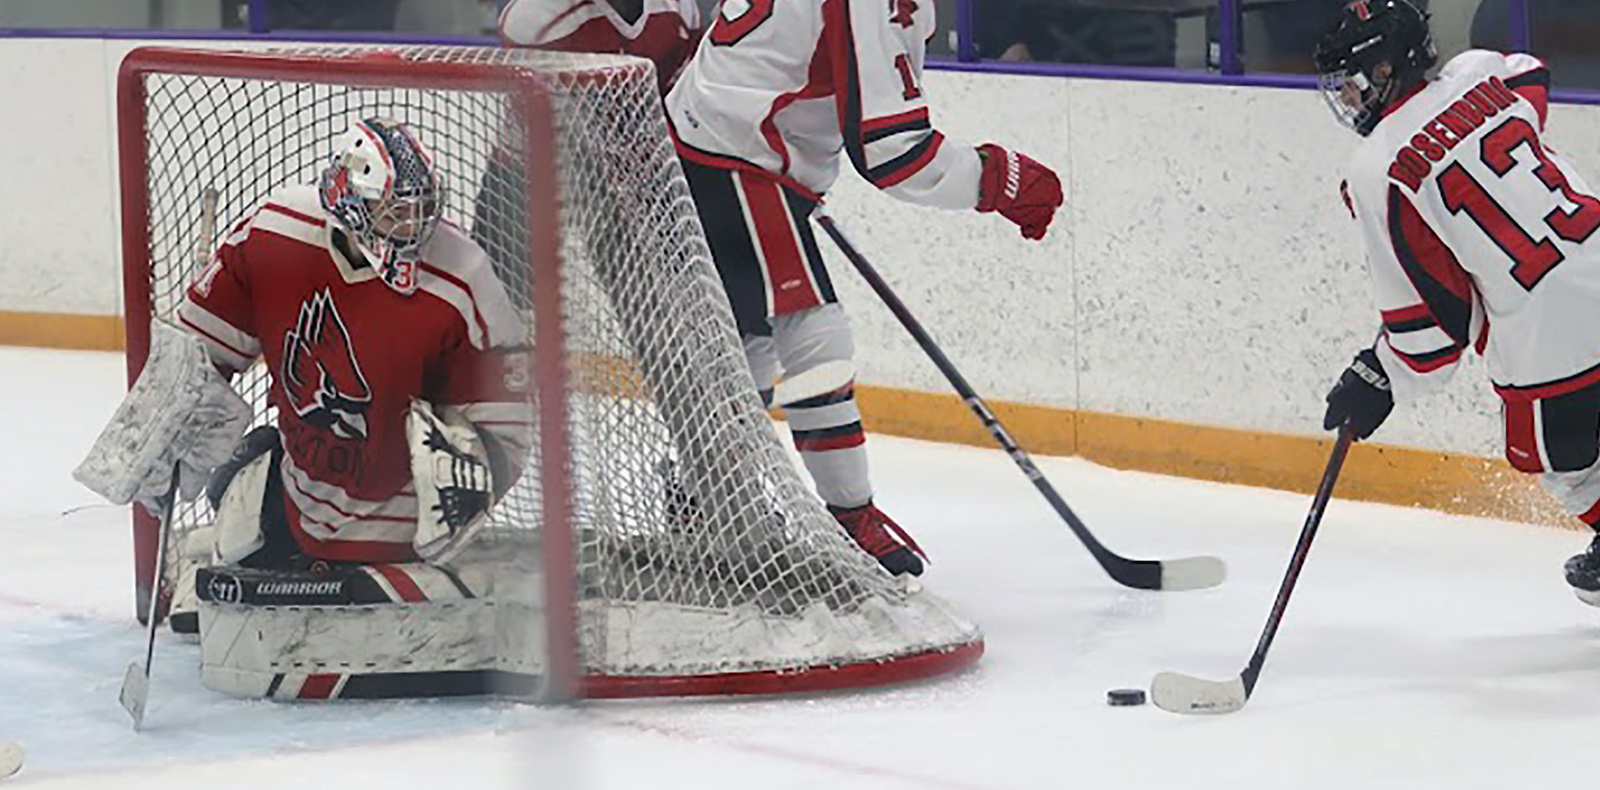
<point>1380,49</point>
<point>381,186</point>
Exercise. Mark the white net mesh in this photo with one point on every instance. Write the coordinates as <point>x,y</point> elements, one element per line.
<point>700,551</point>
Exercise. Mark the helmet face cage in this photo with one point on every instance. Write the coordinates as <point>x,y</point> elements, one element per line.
<point>382,187</point>
<point>1353,98</point>
<point>1370,34</point>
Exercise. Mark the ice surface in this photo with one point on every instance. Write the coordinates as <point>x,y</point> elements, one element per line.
<point>1420,651</point>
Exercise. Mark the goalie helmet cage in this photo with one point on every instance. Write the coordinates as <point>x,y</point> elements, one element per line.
<point>680,551</point>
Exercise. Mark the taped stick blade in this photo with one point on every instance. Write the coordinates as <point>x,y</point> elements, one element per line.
<point>1192,573</point>
<point>1177,693</point>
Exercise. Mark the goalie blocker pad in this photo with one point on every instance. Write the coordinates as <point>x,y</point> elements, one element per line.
<point>371,632</point>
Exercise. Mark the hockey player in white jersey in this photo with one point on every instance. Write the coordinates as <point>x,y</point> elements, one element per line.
<point>663,31</point>
<point>774,96</point>
<point>1479,236</point>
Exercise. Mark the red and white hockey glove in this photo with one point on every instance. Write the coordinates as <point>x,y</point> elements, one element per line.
<point>1020,188</point>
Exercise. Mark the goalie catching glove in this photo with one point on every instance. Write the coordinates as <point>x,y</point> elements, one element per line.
<point>455,487</point>
<point>181,413</point>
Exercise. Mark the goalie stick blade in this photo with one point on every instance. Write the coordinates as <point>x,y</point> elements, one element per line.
<point>10,758</point>
<point>1177,693</point>
<point>1192,573</point>
<point>135,692</point>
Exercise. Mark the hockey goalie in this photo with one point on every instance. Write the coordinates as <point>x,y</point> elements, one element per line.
<point>399,375</point>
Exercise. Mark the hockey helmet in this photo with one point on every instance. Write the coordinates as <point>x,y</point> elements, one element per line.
<point>382,188</point>
<point>1379,49</point>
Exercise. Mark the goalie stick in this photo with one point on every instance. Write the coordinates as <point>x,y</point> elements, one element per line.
<point>1190,573</point>
<point>136,681</point>
<point>1179,693</point>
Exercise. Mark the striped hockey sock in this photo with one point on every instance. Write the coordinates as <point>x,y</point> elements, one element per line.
<point>827,432</point>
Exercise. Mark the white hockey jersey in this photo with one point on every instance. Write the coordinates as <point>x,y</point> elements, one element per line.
<point>1479,235</point>
<point>784,87</point>
<point>665,32</point>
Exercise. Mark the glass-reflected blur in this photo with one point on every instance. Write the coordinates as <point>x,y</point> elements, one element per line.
<point>1108,32</point>
<point>1564,33</point>
<point>1279,35</point>
<point>441,17</point>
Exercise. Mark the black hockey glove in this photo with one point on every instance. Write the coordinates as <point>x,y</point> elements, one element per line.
<point>1361,398</point>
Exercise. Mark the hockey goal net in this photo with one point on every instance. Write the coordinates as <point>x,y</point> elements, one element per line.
<point>681,551</point>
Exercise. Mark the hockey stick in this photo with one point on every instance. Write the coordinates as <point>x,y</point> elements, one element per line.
<point>136,681</point>
<point>1185,694</point>
<point>1191,573</point>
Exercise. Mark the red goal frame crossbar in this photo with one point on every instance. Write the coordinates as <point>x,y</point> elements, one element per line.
<point>378,69</point>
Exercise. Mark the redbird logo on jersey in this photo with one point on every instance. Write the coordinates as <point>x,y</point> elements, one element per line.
<point>320,373</point>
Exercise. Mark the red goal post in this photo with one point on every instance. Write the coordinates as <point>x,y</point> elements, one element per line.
<point>681,552</point>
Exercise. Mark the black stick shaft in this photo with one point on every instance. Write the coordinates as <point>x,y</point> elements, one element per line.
<point>1302,548</point>
<point>1145,575</point>
<point>168,505</point>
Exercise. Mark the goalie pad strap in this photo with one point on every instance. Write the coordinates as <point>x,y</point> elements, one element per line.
<point>355,585</point>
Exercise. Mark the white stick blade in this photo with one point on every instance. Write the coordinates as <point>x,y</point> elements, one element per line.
<point>135,691</point>
<point>10,758</point>
<point>1177,693</point>
<point>1192,573</point>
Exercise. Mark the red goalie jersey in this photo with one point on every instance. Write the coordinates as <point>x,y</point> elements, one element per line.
<point>347,354</point>
<point>1480,235</point>
<point>783,87</point>
<point>665,31</point>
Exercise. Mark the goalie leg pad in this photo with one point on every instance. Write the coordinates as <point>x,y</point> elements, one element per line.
<point>407,630</point>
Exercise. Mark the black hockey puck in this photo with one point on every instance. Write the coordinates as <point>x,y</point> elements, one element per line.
<point>1125,697</point>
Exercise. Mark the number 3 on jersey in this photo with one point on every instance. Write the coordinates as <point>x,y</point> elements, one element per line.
<point>737,19</point>
<point>1534,258</point>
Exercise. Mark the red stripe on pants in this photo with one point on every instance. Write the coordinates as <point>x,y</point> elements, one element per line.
<point>1522,437</point>
<point>788,276</point>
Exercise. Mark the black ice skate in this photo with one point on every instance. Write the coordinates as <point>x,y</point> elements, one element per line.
<point>879,536</point>
<point>1583,573</point>
<point>682,511</point>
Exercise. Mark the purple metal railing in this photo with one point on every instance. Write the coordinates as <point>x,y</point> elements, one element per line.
<point>257,11</point>
<point>1229,71</point>
<point>1229,40</point>
<point>1518,24</point>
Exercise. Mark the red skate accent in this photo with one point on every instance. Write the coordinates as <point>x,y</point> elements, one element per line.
<point>871,529</point>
